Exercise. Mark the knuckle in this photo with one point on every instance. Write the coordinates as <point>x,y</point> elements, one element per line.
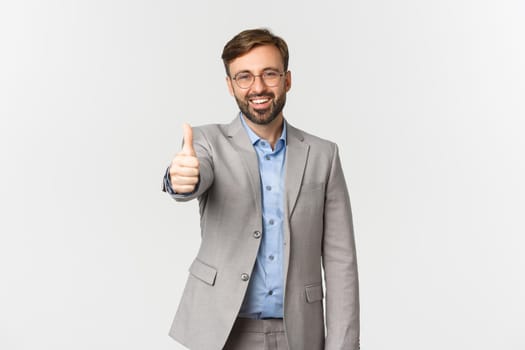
<point>174,170</point>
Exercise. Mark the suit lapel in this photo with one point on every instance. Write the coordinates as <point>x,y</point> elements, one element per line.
<point>243,146</point>
<point>296,156</point>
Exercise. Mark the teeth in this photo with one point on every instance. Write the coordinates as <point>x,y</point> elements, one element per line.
<point>260,101</point>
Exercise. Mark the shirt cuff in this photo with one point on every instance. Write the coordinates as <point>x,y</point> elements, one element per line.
<point>167,182</point>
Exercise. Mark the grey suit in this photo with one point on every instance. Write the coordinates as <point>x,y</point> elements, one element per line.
<point>318,233</point>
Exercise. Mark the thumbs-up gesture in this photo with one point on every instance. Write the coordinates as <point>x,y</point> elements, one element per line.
<point>184,169</point>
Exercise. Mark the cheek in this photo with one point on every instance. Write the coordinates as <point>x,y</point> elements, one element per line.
<point>241,96</point>
<point>280,93</point>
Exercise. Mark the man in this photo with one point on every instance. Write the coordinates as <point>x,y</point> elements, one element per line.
<point>274,210</point>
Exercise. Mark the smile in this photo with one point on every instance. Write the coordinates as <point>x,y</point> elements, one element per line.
<point>259,101</point>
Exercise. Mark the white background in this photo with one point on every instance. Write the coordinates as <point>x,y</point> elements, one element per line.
<point>424,98</point>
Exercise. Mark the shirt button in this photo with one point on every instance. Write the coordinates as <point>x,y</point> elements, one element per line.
<point>270,292</point>
<point>245,277</point>
<point>269,188</point>
<point>257,234</point>
<point>267,157</point>
<point>271,257</point>
<point>263,143</point>
<point>271,222</point>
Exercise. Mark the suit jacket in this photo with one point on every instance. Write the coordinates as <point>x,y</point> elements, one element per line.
<point>318,234</point>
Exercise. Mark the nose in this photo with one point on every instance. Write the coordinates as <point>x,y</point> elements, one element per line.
<point>258,84</point>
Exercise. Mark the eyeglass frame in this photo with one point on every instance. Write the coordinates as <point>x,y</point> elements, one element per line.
<point>281,74</point>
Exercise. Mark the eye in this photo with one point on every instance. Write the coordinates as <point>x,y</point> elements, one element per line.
<point>243,77</point>
<point>271,74</point>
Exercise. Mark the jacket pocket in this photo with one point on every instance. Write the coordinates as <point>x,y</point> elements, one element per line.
<point>314,292</point>
<point>313,186</point>
<point>203,272</point>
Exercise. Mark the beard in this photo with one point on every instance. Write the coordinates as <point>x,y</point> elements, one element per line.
<point>262,116</point>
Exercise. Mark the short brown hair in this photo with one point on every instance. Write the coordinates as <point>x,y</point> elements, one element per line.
<point>249,39</point>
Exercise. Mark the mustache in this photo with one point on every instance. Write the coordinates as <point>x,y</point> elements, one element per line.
<point>269,95</point>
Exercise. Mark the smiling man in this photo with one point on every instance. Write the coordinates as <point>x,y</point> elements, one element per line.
<point>275,212</point>
<point>261,101</point>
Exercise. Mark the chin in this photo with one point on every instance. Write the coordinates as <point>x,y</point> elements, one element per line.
<point>261,119</point>
<point>263,116</point>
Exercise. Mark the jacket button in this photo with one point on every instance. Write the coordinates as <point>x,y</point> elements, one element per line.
<point>245,277</point>
<point>257,234</point>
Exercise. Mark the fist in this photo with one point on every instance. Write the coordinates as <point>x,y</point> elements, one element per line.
<point>184,169</point>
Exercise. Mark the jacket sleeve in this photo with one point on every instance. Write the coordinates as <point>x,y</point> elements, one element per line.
<point>204,154</point>
<point>340,264</point>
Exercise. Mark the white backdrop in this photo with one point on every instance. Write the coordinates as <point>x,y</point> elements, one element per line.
<point>424,98</point>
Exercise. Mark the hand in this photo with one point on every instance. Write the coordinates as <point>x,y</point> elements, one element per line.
<point>184,169</point>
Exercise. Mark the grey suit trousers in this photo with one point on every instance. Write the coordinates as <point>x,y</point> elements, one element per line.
<point>248,334</point>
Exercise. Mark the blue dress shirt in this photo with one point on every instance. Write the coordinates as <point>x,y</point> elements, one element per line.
<point>264,297</point>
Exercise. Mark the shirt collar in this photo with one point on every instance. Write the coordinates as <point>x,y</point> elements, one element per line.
<point>254,137</point>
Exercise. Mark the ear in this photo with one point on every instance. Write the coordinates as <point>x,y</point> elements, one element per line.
<point>230,86</point>
<point>288,81</point>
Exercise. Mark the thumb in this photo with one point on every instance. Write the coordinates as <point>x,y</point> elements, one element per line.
<point>187,147</point>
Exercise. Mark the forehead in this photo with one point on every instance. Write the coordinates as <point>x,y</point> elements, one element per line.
<point>258,59</point>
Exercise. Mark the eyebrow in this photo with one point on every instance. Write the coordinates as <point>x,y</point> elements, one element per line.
<point>264,69</point>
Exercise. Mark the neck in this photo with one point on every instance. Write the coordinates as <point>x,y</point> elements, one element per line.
<point>270,132</point>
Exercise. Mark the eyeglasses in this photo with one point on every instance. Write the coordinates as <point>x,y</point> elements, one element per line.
<point>270,78</point>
